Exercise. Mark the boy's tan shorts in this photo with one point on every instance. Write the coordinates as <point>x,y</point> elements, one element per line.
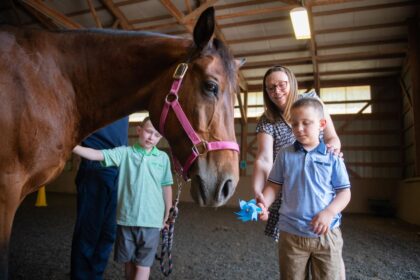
<point>324,254</point>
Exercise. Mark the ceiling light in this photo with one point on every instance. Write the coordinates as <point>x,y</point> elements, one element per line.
<point>300,22</point>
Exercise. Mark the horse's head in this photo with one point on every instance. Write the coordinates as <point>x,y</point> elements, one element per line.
<point>210,156</point>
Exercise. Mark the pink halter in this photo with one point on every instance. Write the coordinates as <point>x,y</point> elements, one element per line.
<point>200,147</point>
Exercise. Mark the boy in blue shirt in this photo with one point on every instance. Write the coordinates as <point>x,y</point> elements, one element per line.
<point>315,188</point>
<point>144,198</point>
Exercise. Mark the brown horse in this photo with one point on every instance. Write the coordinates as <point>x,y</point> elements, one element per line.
<point>58,87</point>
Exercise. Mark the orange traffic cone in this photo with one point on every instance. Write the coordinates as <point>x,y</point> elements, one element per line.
<point>41,199</point>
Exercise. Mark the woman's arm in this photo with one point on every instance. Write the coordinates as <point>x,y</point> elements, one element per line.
<point>330,135</point>
<point>88,153</point>
<point>263,162</point>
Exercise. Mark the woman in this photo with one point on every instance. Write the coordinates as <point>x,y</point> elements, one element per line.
<point>280,91</point>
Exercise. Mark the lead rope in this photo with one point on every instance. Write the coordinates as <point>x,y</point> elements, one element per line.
<point>168,233</point>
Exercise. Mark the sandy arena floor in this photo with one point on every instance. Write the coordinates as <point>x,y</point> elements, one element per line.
<point>212,244</point>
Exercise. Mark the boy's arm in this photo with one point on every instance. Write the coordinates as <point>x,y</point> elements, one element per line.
<point>321,222</point>
<point>267,198</point>
<point>167,197</point>
<point>88,153</point>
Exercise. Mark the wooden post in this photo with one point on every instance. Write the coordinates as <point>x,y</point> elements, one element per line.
<point>414,65</point>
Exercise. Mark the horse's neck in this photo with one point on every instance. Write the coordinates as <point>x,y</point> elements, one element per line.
<point>116,74</point>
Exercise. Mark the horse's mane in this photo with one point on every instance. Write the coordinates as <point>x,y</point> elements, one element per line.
<point>228,61</point>
<point>119,32</point>
<point>217,47</point>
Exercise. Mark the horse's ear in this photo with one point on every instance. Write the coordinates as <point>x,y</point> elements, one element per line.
<point>239,62</point>
<point>204,28</point>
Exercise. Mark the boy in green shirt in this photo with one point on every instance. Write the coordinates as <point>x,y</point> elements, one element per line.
<point>144,197</point>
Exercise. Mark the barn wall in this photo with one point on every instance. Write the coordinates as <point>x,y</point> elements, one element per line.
<point>377,148</point>
<point>408,199</point>
<point>408,192</point>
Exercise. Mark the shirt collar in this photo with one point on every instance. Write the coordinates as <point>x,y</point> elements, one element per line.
<point>154,151</point>
<point>321,148</point>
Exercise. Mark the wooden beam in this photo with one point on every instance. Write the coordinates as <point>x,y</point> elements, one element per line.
<point>94,15</point>
<point>414,65</point>
<point>261,38</point>
<point>160,27</point>
<point>385,54</point>
<point>188,6</point>
<point>244,129</point>
<point>45,21</point>
<point>400,40</point>
<point>116,12</point>
<point>177,14</point>
<point>255,21</point>
<point>242,107</point>
<point>59,18</point>
<point>257,11</point>
<point>322,47</point>
<point>314,52</point>
<point>116,23</point>
<point>317,32</point>
<point>362,27</point>
<point>348,122</point>
<point>242,4</point>
<point>190,18</point>
<point>367,8</point>
<point>361,71</point>
<point>272,51</point>
<point>338,83</point>
<point>405,92</point>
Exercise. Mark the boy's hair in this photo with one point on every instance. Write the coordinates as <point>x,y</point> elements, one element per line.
<point>146,119</point>
<point>310,102</point>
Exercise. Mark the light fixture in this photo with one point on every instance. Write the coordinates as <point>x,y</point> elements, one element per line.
<point>300,22</point>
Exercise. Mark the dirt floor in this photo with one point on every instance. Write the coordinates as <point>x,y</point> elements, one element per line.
<point>212,244</point>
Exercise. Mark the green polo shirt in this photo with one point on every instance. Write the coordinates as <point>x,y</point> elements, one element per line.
<point>141,178</point>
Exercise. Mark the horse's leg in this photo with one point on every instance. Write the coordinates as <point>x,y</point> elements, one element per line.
<point>10,197</point>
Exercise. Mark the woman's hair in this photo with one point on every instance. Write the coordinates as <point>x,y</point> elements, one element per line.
<point>271,111</point>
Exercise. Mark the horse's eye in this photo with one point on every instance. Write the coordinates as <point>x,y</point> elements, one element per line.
<point>211,88</point>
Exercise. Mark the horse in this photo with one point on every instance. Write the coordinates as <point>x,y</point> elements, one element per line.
<point>57,87</point>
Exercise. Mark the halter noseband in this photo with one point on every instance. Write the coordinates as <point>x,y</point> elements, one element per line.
<point>200,147</point>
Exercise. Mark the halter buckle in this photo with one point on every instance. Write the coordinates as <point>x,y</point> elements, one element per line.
<point>180,71</point>
<point>201,148</point>
<point>171,97</point>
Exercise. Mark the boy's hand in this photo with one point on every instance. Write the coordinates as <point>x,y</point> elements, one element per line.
<point>165,225</point>
<point>322,221</point>
<point>262,204</point>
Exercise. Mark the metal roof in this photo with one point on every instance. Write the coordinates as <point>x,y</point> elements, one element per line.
<point>351,39</point>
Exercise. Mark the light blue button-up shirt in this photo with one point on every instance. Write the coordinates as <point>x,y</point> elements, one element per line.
<point>309,182</point>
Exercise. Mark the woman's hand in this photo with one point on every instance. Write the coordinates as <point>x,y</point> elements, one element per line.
<point>262,204</point>
<point>335,150</point>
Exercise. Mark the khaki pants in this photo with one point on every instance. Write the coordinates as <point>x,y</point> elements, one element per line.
<point>323,253</point>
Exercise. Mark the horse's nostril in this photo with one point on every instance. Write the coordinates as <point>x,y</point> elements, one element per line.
<point>225,191</point>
